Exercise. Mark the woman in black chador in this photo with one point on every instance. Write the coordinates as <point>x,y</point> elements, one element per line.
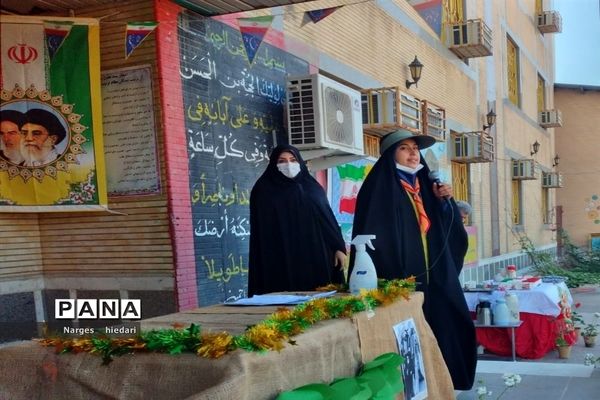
<point>295,241</point>
<point>411,216</point>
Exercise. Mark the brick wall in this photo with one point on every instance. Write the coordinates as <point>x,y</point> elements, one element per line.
<point>180,212</point>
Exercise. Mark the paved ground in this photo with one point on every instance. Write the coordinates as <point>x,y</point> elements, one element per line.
<point>549,378</point>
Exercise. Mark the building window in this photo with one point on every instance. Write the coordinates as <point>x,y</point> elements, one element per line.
<point>371,144</point>
<point>546,214</point>
<point>460,181</point>
<point>453,11</point>
<point>541,94</point>
<point>460,184</point>
<point>512,58</point>
<point>516,202</point>
<point>539,7</point>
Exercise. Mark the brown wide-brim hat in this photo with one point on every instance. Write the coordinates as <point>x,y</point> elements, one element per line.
<point>392,138</point>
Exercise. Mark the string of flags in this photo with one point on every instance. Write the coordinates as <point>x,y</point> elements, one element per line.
<point>253,31</point>
<point>56,32</point>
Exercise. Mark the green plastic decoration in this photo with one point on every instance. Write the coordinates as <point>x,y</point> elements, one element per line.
<point>379,379</point>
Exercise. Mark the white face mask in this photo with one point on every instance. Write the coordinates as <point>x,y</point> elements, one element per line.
<point>290,169</point>
<point>409,169</point>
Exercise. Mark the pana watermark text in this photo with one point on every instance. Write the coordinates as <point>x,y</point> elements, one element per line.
<point>98,309</point>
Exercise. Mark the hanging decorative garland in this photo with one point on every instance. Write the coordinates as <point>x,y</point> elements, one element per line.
<point>269,334</point>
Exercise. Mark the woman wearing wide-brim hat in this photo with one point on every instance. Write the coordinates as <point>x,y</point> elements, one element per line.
<point>417,223</point>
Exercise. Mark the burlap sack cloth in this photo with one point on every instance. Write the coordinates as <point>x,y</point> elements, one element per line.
<point>328,350</point>
<point>377,337</point>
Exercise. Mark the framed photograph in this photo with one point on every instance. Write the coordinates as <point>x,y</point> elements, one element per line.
<point>595,241</point>
<point>413,369</point>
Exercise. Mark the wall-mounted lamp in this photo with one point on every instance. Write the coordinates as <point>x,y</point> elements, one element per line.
<point>535,147</point>
<point>415,72</point>
<point>556,160</point>
<point>490,119</point>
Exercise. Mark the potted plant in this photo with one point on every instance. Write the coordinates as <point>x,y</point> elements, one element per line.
<point>577,319</point>
<point>590,331</point>
<point>564,348</point>
<point>565,328</point>
<point>578,322</point>
<point>565,338</point>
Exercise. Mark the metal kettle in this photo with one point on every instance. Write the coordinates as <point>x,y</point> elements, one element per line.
<point>484,313</point>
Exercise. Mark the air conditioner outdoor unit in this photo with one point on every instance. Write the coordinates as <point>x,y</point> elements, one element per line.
<point>387,109</point>
<point>324,117</point>
<point>434,121</point>
<point>471,38</point>
<point>550,118</point>
<point>552,180</point>
<point>549,22</point>
<point>473,147</point>
<point>524,169</point>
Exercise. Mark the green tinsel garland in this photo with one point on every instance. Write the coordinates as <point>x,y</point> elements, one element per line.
<point>270,334</point>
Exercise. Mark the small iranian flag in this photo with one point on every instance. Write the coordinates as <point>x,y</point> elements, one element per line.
<point>135,34</point>
<point>351,179</point>
<point>253,31</point>
<point>56,32</point>
<point>317,15</point>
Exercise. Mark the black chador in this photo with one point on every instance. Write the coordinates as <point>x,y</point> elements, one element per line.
<point>385,209</point>
<point>293,233</point>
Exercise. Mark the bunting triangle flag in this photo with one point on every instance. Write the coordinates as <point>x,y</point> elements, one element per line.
<point>253,31</point>
<point>317,15</point>
<point>135,34</point>
<point>55,33</point>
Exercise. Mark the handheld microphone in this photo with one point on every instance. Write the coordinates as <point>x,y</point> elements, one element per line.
<point>435,177</point>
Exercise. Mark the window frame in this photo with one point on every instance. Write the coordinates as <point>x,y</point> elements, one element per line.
<point>546,206</point>
<point>517,202</point>
<point>461,182</point>
<point>541,94</point>
<point>513,77</point>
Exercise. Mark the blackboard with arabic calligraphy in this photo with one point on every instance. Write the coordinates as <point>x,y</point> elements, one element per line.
<point>233,112</point>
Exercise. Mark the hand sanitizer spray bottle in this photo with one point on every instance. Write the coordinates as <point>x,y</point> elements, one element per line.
<point>363,274</point>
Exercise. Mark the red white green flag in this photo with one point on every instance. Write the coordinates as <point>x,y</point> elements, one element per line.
<point>351,179</point>
<point>135,34</point>
<point>52,157</point>
<point>56,32</point>
<point>253,31</point>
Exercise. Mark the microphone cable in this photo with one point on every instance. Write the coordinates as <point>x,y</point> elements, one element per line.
<point>446,235</point>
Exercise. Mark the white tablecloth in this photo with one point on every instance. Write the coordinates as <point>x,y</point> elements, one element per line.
<point>543,299</point>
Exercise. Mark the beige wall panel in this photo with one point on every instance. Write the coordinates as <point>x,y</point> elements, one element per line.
<point>481,201</point>
<point>578,144</point>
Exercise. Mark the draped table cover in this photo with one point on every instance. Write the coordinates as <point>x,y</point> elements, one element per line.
<point>539,309</point>
<point>328,350</point>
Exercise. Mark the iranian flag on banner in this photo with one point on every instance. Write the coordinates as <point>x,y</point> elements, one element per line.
<point>351,179</point>
<point>51,152</point>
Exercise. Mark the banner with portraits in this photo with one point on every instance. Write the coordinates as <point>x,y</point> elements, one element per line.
<point>51,150</point>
